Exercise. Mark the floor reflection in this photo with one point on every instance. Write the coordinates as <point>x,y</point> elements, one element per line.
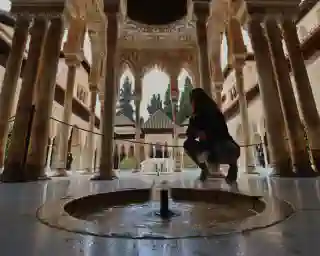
<point>22,234</point>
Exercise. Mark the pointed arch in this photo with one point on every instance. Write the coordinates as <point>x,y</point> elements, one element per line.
<point>154,82</point>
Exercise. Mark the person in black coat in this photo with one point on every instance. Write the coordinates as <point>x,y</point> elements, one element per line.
<point>208,139</point>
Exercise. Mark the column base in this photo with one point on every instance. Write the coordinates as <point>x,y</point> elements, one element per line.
<point>104,177</point>
<point>250,169</point>
<point>316,158</point>
<point>13,173</point>
<point>216,175</point>
<point>60,172</point>
<point>35,173</point>
<point>87,171</point>
<point>303,167</point>
<point>282,169</point>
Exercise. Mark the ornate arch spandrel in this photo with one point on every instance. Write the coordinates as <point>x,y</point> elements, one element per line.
<point>128,58</point>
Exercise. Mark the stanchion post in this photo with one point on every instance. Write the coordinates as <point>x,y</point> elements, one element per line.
<point>26,150</point>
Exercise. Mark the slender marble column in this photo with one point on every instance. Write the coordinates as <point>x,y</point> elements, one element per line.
<point>218,86</point>
<point>14,167</point>
<point>47,82</point>
<point>201,11</point>
<point>218,80</point>
<point>106,160</point>
<point>174,101</point>
<point>63,135</point>
<point>138,130</point>
<point>49,156</point>
<point>297,143</point>
<point>91,136</point>
<point>10,80</point>
<point>245,125</point>
<point>306,99</point>
<point>280,158</point>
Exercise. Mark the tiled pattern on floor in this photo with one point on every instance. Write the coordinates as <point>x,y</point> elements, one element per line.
<point>22,234</point>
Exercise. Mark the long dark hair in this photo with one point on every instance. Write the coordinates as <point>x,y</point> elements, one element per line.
<point>202,103</point>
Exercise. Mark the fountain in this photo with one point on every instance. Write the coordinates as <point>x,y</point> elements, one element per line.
<point>163,212</point>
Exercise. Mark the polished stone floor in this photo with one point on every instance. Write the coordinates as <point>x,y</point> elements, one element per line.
<point>22,234</point>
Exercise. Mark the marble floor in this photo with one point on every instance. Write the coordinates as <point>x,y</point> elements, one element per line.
<point>22,234</point>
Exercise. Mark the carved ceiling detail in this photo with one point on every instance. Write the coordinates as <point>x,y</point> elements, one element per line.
<point>144,60</point>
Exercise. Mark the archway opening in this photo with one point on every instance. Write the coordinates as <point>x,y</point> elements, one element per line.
<point>185,84</point>
<point>125,104</point>
<point>155,91</point>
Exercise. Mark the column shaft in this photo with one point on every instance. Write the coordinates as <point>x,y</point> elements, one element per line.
<point>203,56</point>
<point>174,101</point>
<point>306,99</point>
<point>47,83</point>
<point>245,125</point>
<point>106,160</point>
<point>91,135</point>
<point>138,134</point>
<point>280,158</point>
<point>297,144</point>
<point>63,136</point>
<point>10,80</point>
<point>15,163</point>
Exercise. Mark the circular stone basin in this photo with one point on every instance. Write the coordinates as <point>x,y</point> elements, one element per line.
<point>131,214</point>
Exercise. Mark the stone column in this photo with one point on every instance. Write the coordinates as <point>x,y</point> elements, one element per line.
<point>91,136</point>
<point>47,82</point>
<point>106,160</point>
<point>279,156</point>
<point>201,10</point>
<point>294,128</point>
<point>14,167</point>
<point>245,125</point>
<point>174,73</point>
<point>49,156</point>
<point>218,87</point>
<point>306,99</point>
<point>137,123</point>
<point>65,127</point>
<point>218,79</point>
<point>10,80</point>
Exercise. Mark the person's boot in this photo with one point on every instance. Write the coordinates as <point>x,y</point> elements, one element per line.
<point>202,158</point>
<point>232,174</point>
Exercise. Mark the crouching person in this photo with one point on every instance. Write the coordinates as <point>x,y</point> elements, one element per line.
<point>208,140</point>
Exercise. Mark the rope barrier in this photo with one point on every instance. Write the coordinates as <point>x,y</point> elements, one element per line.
<point>136,142</point>
<point>11,119</point>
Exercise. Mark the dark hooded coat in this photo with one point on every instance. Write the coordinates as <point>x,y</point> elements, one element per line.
<point>207,118</point>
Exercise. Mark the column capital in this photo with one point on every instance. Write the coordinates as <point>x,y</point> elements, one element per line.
<point>201,9</point>
<point>93,88</point>
<point>272,7</point>
<point>111,7</point>
<point>72,61</point>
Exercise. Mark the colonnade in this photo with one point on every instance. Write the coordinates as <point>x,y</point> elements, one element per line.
<point>27,161</point>
<point>288,157</point>
<point>266,34</point>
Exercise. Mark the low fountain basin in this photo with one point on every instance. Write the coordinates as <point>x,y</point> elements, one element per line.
<point>130,214</point>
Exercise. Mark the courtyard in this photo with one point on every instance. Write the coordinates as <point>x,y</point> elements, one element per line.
<point>23,234</point>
